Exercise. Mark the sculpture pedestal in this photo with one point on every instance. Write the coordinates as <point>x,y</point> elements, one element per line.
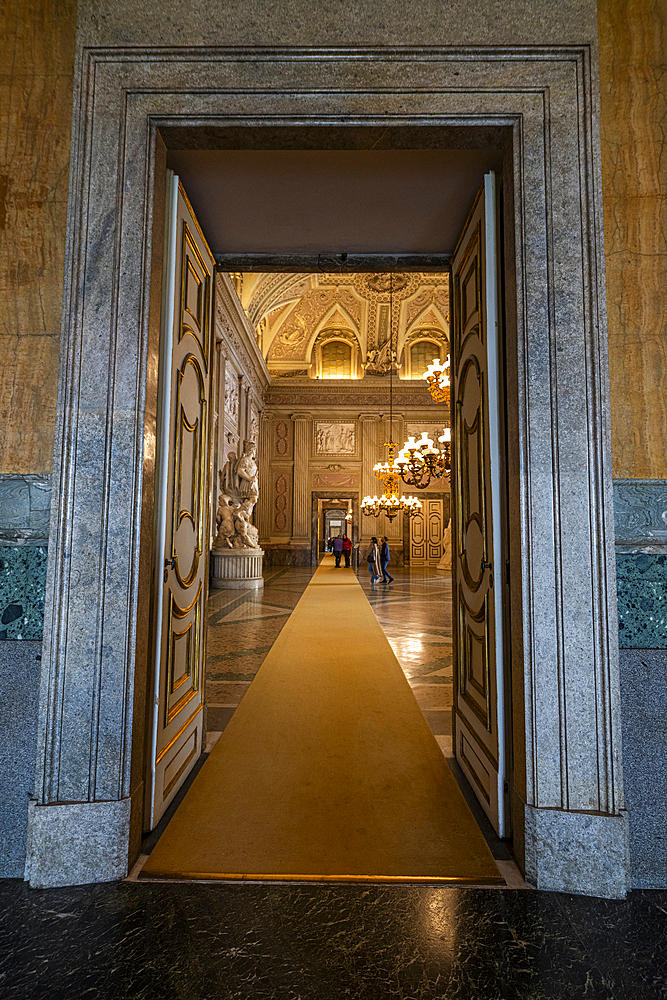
<point>237,569</point>
<point>446,561</point>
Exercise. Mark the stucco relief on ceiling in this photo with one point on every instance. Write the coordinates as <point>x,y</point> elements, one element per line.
<point>369,309</point>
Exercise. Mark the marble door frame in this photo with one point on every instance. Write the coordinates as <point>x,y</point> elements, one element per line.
<point>569,820</point>
<point>315,497</point>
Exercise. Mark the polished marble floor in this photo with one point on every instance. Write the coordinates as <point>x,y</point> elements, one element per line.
<point>248,941</point>
<point>325,942</point>
<point>414,612</point>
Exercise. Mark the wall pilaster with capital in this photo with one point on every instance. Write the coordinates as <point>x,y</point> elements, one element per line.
<point>263,508</point>
<point>392,431</point>
<point>300,490</point>
<point>370,451</point>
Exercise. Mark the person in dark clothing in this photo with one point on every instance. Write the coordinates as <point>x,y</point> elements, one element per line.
<point>338,548</point>
<point>347,550</point>
<point>385,556</point>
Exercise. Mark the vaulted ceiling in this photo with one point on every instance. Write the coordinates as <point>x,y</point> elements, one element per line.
<point>375,312</point>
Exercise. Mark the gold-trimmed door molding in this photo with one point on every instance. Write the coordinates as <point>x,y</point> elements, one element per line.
<point>182,503</point>
<point>479,730</point>
<point>426,533</point>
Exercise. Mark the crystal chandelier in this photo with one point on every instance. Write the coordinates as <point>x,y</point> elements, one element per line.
<point>391,502</point>
<point>419,461</point>
<point>438,381</point>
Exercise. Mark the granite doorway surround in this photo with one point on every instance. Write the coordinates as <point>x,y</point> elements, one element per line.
<point>539,103</point>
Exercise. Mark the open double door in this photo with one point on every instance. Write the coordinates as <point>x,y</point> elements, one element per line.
<point>477,551</point>
<point>182,488</point>
<point>182,505</point>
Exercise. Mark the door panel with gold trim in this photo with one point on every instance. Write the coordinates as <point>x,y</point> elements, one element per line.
<point>479,736</point>
<point>182,503</point>
<point>426,534</point>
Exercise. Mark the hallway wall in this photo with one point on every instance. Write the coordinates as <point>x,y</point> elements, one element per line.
<point>36,108</point>
<point>35,122</point>
<point>296,465</point>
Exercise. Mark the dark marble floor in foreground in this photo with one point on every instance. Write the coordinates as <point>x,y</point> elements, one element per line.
<point>196,942</point>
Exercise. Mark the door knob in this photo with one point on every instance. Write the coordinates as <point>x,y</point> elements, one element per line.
<point>486,565</point>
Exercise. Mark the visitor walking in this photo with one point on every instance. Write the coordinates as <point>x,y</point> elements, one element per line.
<point>373,560</point>
<point>347,550</point>
<point>338,548</point>
<point>385,556</point>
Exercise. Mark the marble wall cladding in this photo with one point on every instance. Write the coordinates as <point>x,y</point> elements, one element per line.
<point>22,585</point>
<point>642,600</point>
<point>287,555</point>
<point>644,709</point>
<point>19,691</point>
<point>640,513</point>
<point>374,22</point>
<point>25,506</point>
<point>35,122</point>
<point>633,106</point>
<point>25,503</point>
<point>640,520</point>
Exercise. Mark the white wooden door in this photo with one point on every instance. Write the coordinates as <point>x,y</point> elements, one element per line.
<point>182,462</point>
<point>479,731</point>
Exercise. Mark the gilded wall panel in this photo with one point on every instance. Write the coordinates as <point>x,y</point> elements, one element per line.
<point>336,480</point>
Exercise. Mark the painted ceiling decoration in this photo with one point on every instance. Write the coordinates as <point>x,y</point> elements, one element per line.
<point>297,314</point>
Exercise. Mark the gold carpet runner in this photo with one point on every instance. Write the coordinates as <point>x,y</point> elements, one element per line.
<point>327,770</point>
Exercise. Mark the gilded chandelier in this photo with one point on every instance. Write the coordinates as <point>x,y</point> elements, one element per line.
<point>391,502</point>
<point>419,461</point>
<point>437,380</point>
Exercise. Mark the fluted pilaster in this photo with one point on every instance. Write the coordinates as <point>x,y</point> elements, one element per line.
<point>370,452</point>
<point>300,492</point>
<point>263,509</point>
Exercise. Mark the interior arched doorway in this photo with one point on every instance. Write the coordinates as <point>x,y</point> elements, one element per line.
<point>568,801</point>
